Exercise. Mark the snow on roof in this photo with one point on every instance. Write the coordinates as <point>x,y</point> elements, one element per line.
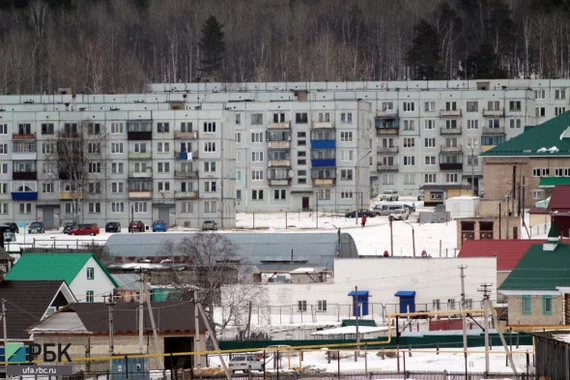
<point>306,270</point>
<point>562,337</point>
<point>351,330</point>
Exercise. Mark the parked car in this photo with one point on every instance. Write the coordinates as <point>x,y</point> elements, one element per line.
<point>69,226</point>
<point>362,212</point>
<point>411,207</point>
<point>389,195</point>
<point>421,196</point>
<point>137,226</point>
<point>209,225</point>
<point>13,227</point>
<point>113,227</point>
<point>245,363</point>
<point>396,210</point>
<point>159,225</point>
<point>84,229</point>
<point>9,236</point>
<point>36,228</point>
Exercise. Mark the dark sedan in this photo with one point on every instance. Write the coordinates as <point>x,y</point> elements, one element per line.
<point>361,213</point>
<point>113,227</point>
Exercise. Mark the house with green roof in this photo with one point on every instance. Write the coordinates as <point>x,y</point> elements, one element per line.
<point>538,288</point>
<point>85,275</point>
<point>526,167</point>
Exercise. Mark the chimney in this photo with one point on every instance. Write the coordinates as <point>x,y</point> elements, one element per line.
<point>553,239</point>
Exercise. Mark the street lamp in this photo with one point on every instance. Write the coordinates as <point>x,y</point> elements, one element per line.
<point>413,238</point>
<point>357,182</point>
<point>472,169</point>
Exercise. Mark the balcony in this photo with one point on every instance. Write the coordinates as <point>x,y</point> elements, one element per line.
<point>25,176</point>
<point>143,174</point>
<point>70,156</point>
<point>186,156</point>
<point>24,195</point>
<point>185,195</point>
<point>186,135</point>
<point>449,113</point>
<point>322,124</point>
<point>69,195</point>
<point>387,168</point>
<point>23,136</point>
<point>388,114</point>
<point>140,155</point>
<point>281,125</point>
<point>323,162</point>
<point>279,182</point>
<point>387,126</point>
<point>139,136</point>
<point>324,182</point>
<point>323,144</point>
<point>450,131</point>
<point>451,166</point>
<point>279,144</point>
<point>455,149</point>
<point>185,174</point>
<point>494,113</point>
<point>388,149</point>
<point>283,163</point>
<point>135,194</point>
<point>500,130</point>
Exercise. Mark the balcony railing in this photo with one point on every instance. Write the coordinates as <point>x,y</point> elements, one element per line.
<point>136,194</point>
<point>142,174</point>
<point>279,182</point>
<point>185,174</point>
<point>279,144</point>
<point>388,114</point>
<point>186,135</point>
<point>388,149</point>
<point>281,125</point>
<point>449,113</point>
<point>324,181</point>
<point>450,131</point>
<point>494,113</point>
<point>187,156</point>
<point>451,166</point>
<point>274,163</point>
<point>140,155</point>
<point>387,168</point>
<point>70,195</point>
<point>456,148</point>
<point>25,176</point>
<point>23,136</point>
<point>500,130</point>
<point>322,124</point>
<point>24,195</point>
<point>185,195</point>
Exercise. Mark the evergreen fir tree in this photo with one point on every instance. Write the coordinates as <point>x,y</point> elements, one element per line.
<point>212,48</point>
<point>424,54</point>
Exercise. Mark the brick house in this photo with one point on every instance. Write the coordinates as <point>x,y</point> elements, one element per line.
<point>538,288</point>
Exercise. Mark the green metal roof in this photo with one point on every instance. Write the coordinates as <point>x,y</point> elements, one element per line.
<point>52,266</point>
<point>540,270</point>
<point>544,140</point>
<point>553,181</point>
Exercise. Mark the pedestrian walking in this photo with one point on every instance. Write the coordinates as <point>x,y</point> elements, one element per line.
<point>363,221</point>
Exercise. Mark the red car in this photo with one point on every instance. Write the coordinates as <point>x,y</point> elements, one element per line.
<point>84,229</point>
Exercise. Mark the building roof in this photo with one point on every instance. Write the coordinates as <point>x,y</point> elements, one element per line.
<point>169,316</point>
<point>266,251</point>
<point>28,301</point>
<point>551,138</point>
<point>560,199</point>
<point>52,266</point>
<point>435,186</point>
<point>508,252</point>
<point>127,281</point>
<point>540,270</point>
<point>549,182</point>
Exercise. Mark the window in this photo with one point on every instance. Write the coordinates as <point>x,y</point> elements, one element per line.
<point>387,106</point>
<point>210,186</point>
<point>279,194</point>
<point>210,126</point>
<point>256,195</point>
<point>322,305</point>
<point>539,111</point>
<point>90,273</point>
<point>514,105</point>
<point>408,125</point>
<point>301,118</point>
<point>25,208</point>
<point>4,168</point>
<point>187,207</point>
<point>429,142</point>
<point>24,129</point>
<point>116,148</point>
<point>238,137</point>
<point>4,208</point>
<point>302,305</point>
<point>346,175</point>
<point>473,106</point>
<point>429,106</point>
<point>324,194</point>
<point>560,94</point>
<point>451,124</point>
<point>324,117</point>
<point>257,175</point>
<point>559,110</point>
<point>472,124</point>
<point>94,207</point>
<point>256,118</point>
<point>537,194</point>
<point>210,207</point>
<point>256,156</point>
<point>94,167</point>
<point>117,167</point>
<point>209,147</point>
<point>210,166</point>
<point>117,128</point>
<point>436,304</point>
<point>70,128</point>
<point>93,128</point>
<point>186,126</point>
<point>409,106</point>
<point>494,123</point>
<point>47,128</point>
<point>140,206</point>
<point>526,305</point>
<point>140,147</point>
<point>409,178</point>
<point>89,296</point>
<point>546,305</point>
<point>93,147</point>
<point>256,137</point>
<point>3,148</point>
<point>163,167</point>
<point>48,187</point>
<point>451,106</point>
<point>451,304</point>
<point>409,142</point>
<point>430,160</point>
<point>451,177</point>
<point>163,147</point>
<point>163,127</point>
<point>429,124</point>
<point>346,117</point>
<point>539,94</point>
<point>238,118</point>
<point>515,123</point>
<point>117,207</point>
<point>345,136</point>
<point>117,187</point>
<point>409,160</point>
<point>493,105</point>
<point>346,194</point>
<point>94,188</point>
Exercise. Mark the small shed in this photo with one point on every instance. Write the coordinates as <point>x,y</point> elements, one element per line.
<point>464,206</point>
<point>407,300</point>
<point>359,302</point>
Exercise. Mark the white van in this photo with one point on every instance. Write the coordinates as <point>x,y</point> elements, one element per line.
<point>397,211</point>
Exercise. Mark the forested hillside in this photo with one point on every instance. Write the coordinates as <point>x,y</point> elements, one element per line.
<point>96,46</point>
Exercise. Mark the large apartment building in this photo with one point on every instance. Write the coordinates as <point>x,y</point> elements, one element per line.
<point>189,152</point>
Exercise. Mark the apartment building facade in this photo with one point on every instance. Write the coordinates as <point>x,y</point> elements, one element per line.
<point>195,151</point>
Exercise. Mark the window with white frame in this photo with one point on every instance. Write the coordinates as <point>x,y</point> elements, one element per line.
<point>162,127</point>
<point>472,106</point>
<point>256,195</point>
<point>559,110</point>
<point>430,178</point>
<point>409,106</point>
<point>4,168</point>
<point>25,208</point>
<point>4,209</point>
<point>514,105</point>
<point>186,126</point>
<point>515,123</point>
<point>117,187</point>
<point>346,155</point>
<point>209,126</point>
<point>409,160</point>
<point>238,118</point>
<point>117,148</point>
<point>409,142</point>
<point>451,178</point>
<point>324,117</point>
<point>346,174</point>
<point>451,106</point>
<point>430,160</point>
<point>256,156</point>
<point>209,166</point>
<point>302,305</point>
<point>324,194</point>
<point>117,167</point>
<point>346,194</point>
<point>185,146</point>
<point>163,186</point>
<point>387,179</point>
<point>560,94</point>
<point>451,124</point>
<point>238,137</point>
<point>279,194</point>
<point>209,146</point>
<point>210,207</point>
<point>210,186</point>
<point>94,188</point>
<point>494,123</point>
<point>429,106</point>
<point>408,125</point>
<point>387,106</point>
<point>257,175</point>
<point>140,147</point>
<point>3,129</point>
<point>430,142</point>
<point>163,147</point>
<point>346,117</point>
<point>301,118</point>
<point>473,124</point>
<point>94,207</point>
<point>117,128</point>
<point>472,142</point>
<point>163,167</point>
<point>94,147</point>
<point>187,207</point>
<point>345,136</point>
<point>322,305</point>
<point>409,178</point>
<point>117,207</point>
<point>256,137</point>
<point>256,119</point>
<point>3,148</point>
<point>429,124</point>
<point>493,105</point>
<point>537,194</point>
<point>48,148</point>
<point>89,296</point>
<point>540,94</point>
<point>140,206</point>
<point>539,111</point>
<point>94,167</point>
<point>47,188</point>
<point>186,186</point>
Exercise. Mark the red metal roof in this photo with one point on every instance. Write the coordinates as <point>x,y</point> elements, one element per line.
<point>560,199</point>
<point>508,252</point>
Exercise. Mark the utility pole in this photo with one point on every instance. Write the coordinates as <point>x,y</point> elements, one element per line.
<point>390,218</point>
<point>197,344</point>
<point>5,332</point>
<point>463,314</point>
<point>111,328</point>
<point>485,289</point>
<point>141,309</point>
<point>356,324</point>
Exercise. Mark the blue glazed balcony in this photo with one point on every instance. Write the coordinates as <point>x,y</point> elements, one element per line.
<point>323,144</point>
<point>24,195</point>
<point>323,162</point>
